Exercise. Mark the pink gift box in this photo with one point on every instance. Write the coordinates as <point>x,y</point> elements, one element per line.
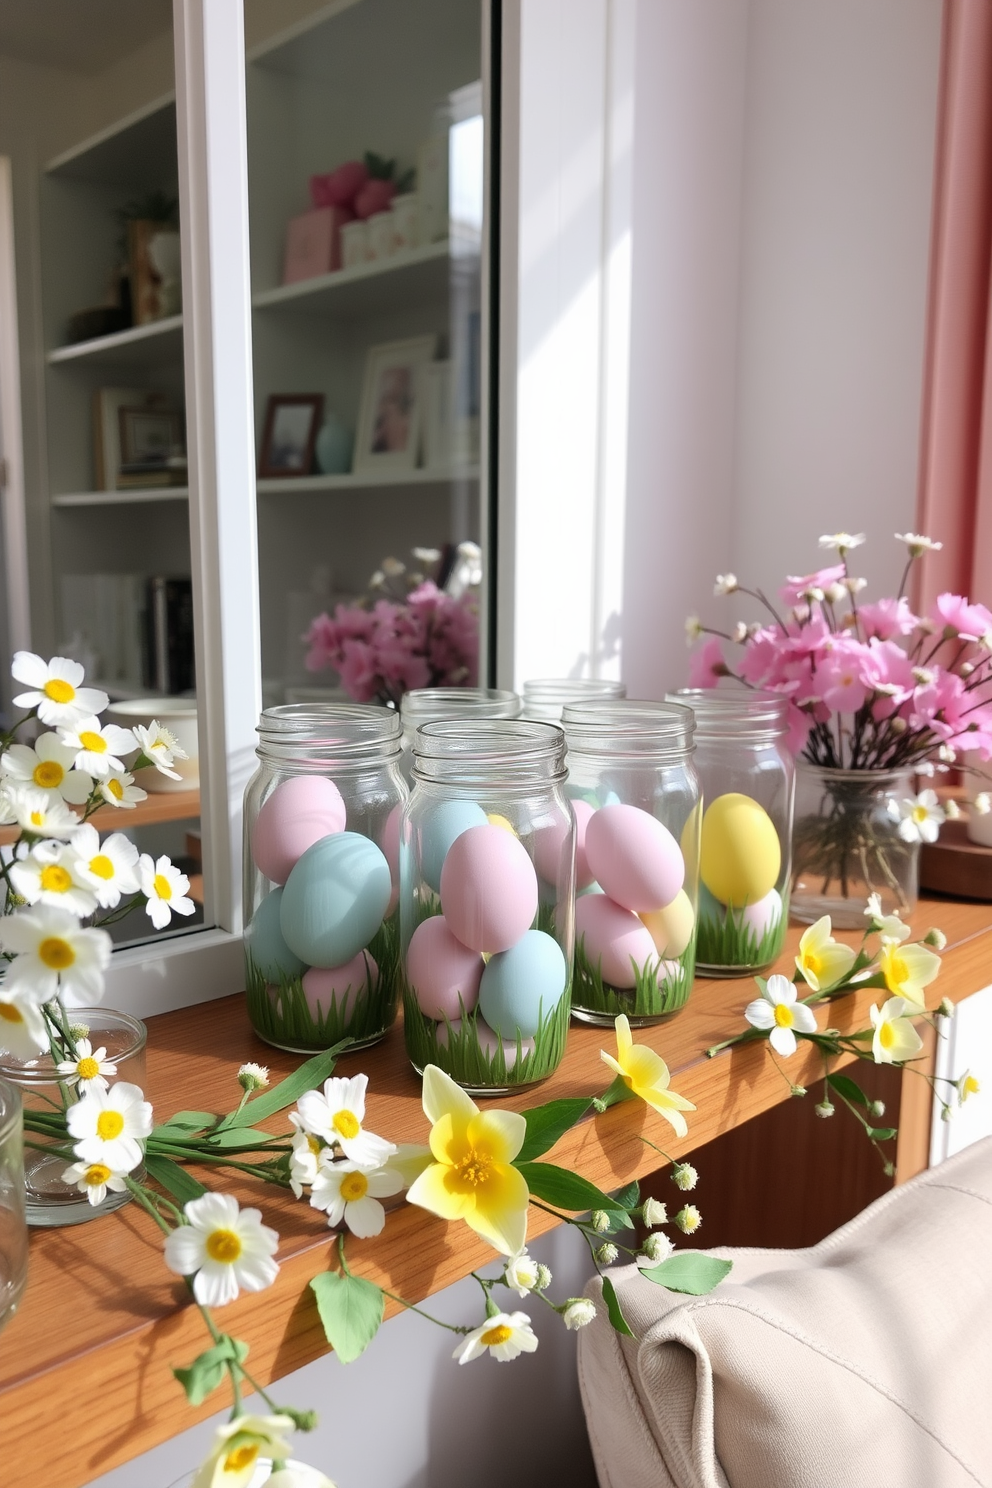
<point>313,243</point>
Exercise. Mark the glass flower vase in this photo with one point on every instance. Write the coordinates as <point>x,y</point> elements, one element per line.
<point>13,1230</point>
<point>846,845</point>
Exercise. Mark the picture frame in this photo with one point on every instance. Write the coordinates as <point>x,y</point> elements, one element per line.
<point>149,436</point>
<point>290,433</point>
<point>391,414</point>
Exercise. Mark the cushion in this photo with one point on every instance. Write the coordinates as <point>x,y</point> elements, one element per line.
<point>865,1360</point>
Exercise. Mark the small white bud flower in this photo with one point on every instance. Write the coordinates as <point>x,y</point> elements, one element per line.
<point>657,1248</point>
<point>835,593</point>
<point>923,676</point>
<point>898,725</point>
<point>726,584</point>
<point>936,939</point>
<point>392,568</point>
<point>952,810</point>
<point>654,1213</point>
<point>693,629</point>
<point>982,803</point>
<point>739,633</point>
<point>947,754</point>
<point>945,1113</point>
<point>577,1313</point>
<point>79,1030</point>
<point>877,1108</point>
<point>600,1221</point>
<point>684,1176</point>
<point>543,1278</point>
<point>824,1108</point>
<point>797,1089</point>
<point>853,585</point>
<point>253,1077</point>
<point>689,1219</point>
<point>607,1254</point>
<point>946,1009</point>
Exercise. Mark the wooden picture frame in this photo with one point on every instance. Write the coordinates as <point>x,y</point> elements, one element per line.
<point>291,424</point>
<point>148,435</point>
<point>392,408</point>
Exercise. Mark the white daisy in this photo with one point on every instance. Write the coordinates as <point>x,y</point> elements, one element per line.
<point>100,747</point>
<point>40,812</point>
<point>520,1273</point>
<point>895,1038</point>
<point>161,747</point>
<point>89,1069</point>
<point>23,1032</point>
<point>842,541</point>
<point>688,1219</point>
<point>54,954</point>
<point>165,889</point>
<point>51,874</point>
<point>110,869</point>
<point>337,1115</point>
<point>920,817</point>
<point>505,1336</point>
<point>94,1179</point>
<point>226,1247</point>
<point>918,544</point>
<point>778,1009</point>
<point>303,1159</point>
<point>119,789</point>
<point>108,1125</point>
<point>55,689</point>
<point>48,767</point>
<point>351,1193</point>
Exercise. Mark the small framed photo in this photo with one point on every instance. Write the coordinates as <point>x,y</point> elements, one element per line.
<point>149,436</point>
<point>392,408</point>
<point>291,424</point>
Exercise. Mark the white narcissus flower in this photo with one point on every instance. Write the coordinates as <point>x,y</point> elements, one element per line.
<point>224,1248</point>
<point>918,544</point>
<point>920,817</point>
<point>842,541</point>
<point>337,1113</point>
<point>47,767</point>
<point>40,812</point>
<point>822,961</point>
<point>94,1179</point>
<point>968,1084</point>
<point>298,1475</point>
<point>520,1273</point>
<point>55,689</point>
<point>350,1193</point>
<point>100,747</point>
<point>165,888</point>
<point>23,1032</point>
<point>161,747</point>
<point>238,1445</point>
<point>89,1069</point>
<point>505,1335</point>
<point>908,971</point>
<point>51,874</point>
<point>119,789</point>
<point>890,927</point>
<point>54,955</point>
<point>306,1149</point>
<point>109,1125</point>
<point>109,869</point>
<point>895,1038</point>
<point>578,1312</point>
<point>778,1009</point>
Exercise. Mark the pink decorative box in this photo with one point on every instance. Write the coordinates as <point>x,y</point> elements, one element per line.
<point>313,243</point>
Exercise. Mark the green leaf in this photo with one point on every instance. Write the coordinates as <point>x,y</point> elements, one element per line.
<point>846,1087</point>
<point>612,1301</point>
<point>882,1133</point>
<point>185,1122</point>
<point>351,1311</point>
<point>239,1136</point>
<point>547,1123</point>
<point>629,1197</point>
<point>570,1191</point>
<point>174,1179</point>
<point>208,1370</point>
<point>689,1271</point>
<point>309,1075</point>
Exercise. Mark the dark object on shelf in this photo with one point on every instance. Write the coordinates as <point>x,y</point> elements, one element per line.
<point>957,866</point>
<point>99,320</point>
<point>291,424</point>
<point>169,649</point>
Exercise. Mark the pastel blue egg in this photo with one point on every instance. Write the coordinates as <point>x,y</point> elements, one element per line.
<point>582,793</point>
<point>592,888</point>
<point>335,899</point>
<point>710,907</point>
<point>439,830</point>
<point>267,945</point>
<point>522,985</point>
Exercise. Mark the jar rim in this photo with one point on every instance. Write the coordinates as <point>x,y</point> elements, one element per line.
<point>629,726</point>
<point>835,772</point>
<point>715,708</point>
<point>28,1074</point>
<point>470,702</point>
<point>330,732</point>
<point>564,689</point>
<point>480,739</point>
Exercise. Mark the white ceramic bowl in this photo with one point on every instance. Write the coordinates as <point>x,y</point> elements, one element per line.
<point>178,715</point>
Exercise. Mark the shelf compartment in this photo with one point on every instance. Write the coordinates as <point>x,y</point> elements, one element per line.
<point>404,279</point>
<point>362,479</point>
<point>134,345</point>
<point>122,498</point>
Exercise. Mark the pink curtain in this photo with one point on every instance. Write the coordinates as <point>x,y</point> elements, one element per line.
<point>955,493</point>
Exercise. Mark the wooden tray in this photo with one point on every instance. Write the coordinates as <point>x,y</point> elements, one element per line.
<point>954,865</point>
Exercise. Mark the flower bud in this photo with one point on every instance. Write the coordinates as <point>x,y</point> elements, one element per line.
<point>877,1108</point>
<point>607,1254</point>
<point>946,1009</point>
<point>79,1030</point>
<point>577,1312</point>
<point>653,1213</point>
<point>897,725</point>
<point>689,1219</point>
<point>601,1221</point>
<point>253,1077</point>
<point>824,1108</point>
<point>726,584</point>
<point>657,1248</point>
<point>684,1176</point>
<point>952,810</point>
<point>543,1279</point>
<point>693,629</point>
<point>935,938</point>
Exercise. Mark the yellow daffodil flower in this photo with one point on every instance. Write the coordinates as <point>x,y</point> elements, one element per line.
<point>907,969</point>
<point>895,1037</point>
<point>645,1073</point>
<point>968,1084</point>
<point>822,961</point>
<point>472,1177</point>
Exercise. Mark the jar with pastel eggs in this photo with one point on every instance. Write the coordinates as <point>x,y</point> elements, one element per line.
<point>635,797</point>
<point>321,863</point>
<point>487,902</point>
<point>432,704</point>
<point>748,777</point>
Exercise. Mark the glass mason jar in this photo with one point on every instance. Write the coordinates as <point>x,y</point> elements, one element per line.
<point>635,796</point>
<point>487,902</point>
<point>748,779</point>
<point>545,697</point>
<point>321,865</point>
<point>47,1200</point>
<point>13,1228</point>
<point>846,845</point>
<point>431,704</point>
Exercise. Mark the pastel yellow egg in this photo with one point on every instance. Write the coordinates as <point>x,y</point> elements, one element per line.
<point>671,928</point>
<point>740,854</point>
<point>495,820</point>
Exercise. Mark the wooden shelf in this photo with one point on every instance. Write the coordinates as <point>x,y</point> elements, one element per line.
<point>164,806</point>
<point>122,498</point>
<point>406,278</point>
<point>102,1320</point>
<point>362,480</point>
<point>139,344</point>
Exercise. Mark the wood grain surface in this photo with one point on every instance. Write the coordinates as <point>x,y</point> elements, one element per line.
<point>161,806</point>
<point>85,1378</point>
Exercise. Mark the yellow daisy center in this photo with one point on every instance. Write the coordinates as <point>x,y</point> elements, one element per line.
<point>109,1124</point>
<point>240,1458</point>
<point>223,1245</point>
<point>784,1015</point>
<point>57,954</point>
<point>87,1069</point>
<point>116,789</point>
<point>93,743</point>
<point>346,1124</point>
<point>313,1144</point>
<point>162,886</point>
<point>37,818</point>
<point>354,1186</point>
<point>48,774</point>
<point>500,1334</point>
<point>971,1085</point>
<point>55,879</point>
<point>11,1013</point>
<point>96,1174</point>
<point>102,866</point>
<point>474,1168</point>
<point>886,1036</point>
<point>920,814</point>
<point>59,690</point>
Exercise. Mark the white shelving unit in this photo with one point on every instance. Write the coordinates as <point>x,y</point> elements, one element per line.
<point>136,497</point>
<point>123,347</point>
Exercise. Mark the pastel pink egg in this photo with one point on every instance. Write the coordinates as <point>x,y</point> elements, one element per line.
<point>634,857</point>
<point>551,845</point>
<point>613,939</point>
<point>488,1039</point>
<point>391,851</point>
<point>488,889</point>
<point>298,813</point>
<point>325,986</point>
<point>440,969</point>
